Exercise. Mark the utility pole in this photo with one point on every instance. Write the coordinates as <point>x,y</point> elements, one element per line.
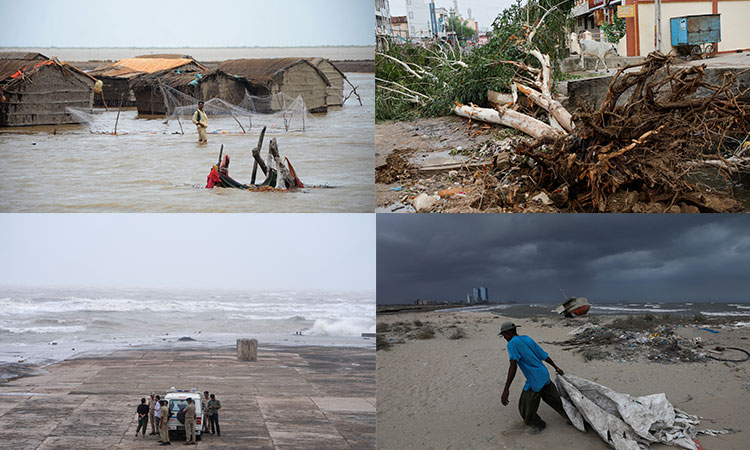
<point>657,25</point>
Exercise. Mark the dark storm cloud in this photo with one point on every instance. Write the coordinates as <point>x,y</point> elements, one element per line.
<point>528,257</point>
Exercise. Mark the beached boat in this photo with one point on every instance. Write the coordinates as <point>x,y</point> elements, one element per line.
<point>279,173</point>
<point>574,306</point>
<point>224,180</point>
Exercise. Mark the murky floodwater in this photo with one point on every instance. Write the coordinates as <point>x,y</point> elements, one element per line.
<point>148,168</point>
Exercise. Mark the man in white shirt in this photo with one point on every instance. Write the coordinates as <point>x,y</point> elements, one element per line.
<point>157,409</point>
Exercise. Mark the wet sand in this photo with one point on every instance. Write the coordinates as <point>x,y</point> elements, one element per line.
<point>442,393</point>
<point>291,398</point>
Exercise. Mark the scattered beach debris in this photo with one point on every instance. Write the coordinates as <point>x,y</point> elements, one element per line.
<point>626,422</point>
<point>709,330</point>
<point>634,337</point>
<point>185,339</point>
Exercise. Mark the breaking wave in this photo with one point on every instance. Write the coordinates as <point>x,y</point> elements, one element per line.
<point>346,326</point>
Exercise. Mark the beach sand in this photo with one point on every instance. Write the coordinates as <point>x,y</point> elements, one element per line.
<point>442,393</point>
<point>290,398</point>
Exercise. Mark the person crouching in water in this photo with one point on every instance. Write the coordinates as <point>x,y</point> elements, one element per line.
<point>527,354</point>
<point>200,120</point>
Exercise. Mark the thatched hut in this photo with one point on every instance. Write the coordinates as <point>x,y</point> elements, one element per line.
<point>334,92</point>
<point>118,76</point>
<point>290,76</point>
<point>149,96</point>
<point>199,84</point>
<point>35,90</point>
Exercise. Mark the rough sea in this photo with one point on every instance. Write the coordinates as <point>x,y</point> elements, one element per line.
<point>46,325</point>
<point>710,309</point>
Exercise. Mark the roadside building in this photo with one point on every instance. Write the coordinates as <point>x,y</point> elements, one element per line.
<point>733,15</point>
<point>383,18</point>
<point>419,19</point>
<point>400,27</point>
<point>118,76</point>
<point>288,76</point>
<point>36,90</point>
<point>640,36</point>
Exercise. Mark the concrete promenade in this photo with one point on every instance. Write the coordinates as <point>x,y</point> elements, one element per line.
<point>291,398</point>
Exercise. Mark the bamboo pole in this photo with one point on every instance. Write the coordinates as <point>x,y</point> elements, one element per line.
<point>122,99</point>
<point>257,160</point>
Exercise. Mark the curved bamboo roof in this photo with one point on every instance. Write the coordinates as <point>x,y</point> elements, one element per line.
<point>264,70</point>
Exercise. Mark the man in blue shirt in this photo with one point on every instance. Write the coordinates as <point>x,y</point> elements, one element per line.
<point>527,354</point>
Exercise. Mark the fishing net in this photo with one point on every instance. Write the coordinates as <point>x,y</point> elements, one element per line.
<point>94,118</point>
<point>288,114</point>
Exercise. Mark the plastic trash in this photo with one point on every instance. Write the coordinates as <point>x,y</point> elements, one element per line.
<point>708,329</point>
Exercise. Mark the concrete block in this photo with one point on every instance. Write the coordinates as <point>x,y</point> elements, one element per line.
<point>247,349</point>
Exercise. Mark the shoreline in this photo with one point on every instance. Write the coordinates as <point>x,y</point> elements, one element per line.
<point>10,371</point>
<point>441,388</point>
<point>291,397</point>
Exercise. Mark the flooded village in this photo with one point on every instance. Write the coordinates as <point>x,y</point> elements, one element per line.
<point>110,116</point>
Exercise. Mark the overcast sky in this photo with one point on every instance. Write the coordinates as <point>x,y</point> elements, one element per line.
<point>529,257</point>
<point>186,23</point>
<point>484,11</point>
<point>233,251</point>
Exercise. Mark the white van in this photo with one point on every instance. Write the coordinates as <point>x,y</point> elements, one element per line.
<point>177,399</point>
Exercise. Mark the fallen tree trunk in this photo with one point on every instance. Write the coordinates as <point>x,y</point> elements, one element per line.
<point>509,118</point>
<point>552,106</point>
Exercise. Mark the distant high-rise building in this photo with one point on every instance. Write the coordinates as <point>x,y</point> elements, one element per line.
<point>476,295</point>
<point>484,295</point>
<point>468,299</point>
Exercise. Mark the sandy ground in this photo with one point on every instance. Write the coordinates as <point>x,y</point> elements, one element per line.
<point>291,398</point>
<point>443,393</point>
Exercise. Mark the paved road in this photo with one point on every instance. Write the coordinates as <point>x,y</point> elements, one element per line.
<point>291,398</point>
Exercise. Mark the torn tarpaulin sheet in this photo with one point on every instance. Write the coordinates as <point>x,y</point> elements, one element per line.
<point>625,422</point>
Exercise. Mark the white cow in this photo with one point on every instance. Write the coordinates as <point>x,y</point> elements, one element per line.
<point>598,49</point>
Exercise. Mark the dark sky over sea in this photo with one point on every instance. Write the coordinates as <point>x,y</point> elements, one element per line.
<point>529,257</point>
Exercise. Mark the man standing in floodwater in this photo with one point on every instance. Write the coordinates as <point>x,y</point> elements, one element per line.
<point>527,354</point>
<point>200,119</point>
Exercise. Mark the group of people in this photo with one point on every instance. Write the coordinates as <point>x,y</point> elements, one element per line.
<point>156,411</point>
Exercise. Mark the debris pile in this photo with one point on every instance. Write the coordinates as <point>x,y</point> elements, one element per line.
<point>661,345</point>
<point>636,157</point>
<point>396,167</point>
<point>636,337</point>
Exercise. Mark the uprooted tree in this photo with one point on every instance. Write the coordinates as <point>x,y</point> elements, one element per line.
<point>657,127</point>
